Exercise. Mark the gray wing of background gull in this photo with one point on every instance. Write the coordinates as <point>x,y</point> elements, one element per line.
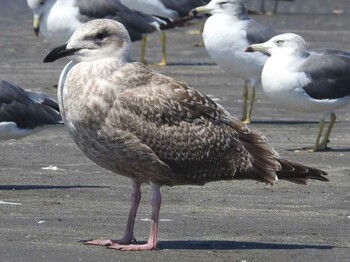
<point>136,23</point>
<point>27,109</point>
<point>183,7</point>
<point>329,71</point>
<point>258,33</point>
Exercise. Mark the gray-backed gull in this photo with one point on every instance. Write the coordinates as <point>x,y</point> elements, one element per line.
<point>296,78</point>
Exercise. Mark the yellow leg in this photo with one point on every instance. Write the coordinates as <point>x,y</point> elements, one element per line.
<point>199,32</point>
<point>248,119</point>
<point>325,140</point>
<point>143,49</point>
<point>320,129</point>
<point>163,62</point>
<point>245,102</point>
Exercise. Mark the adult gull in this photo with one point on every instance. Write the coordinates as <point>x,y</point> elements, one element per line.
<point>171,9</point>
<point>23,113</point>
<point>154,129</point>
<point>306,80</point>
<point>226,34</point>
<point>56,20</point>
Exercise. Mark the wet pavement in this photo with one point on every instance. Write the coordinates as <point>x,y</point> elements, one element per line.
<point>54,196</point>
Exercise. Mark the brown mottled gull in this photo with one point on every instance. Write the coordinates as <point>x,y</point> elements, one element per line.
<point>154,129</point>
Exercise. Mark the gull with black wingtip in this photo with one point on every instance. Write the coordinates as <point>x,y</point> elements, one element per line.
<point>300,79</point>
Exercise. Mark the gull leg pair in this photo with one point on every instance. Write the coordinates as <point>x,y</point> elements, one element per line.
<point>164,61</point>
<point>321,146</point>
<point>247,114</point>
<point>127,243</point>
<point>128,237</point>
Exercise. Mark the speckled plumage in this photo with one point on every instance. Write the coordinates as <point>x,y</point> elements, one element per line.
<point>188,135</point>
<point>138,123</point>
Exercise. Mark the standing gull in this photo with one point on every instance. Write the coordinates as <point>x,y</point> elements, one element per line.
<point>227,32</point>
<point>23,113</point>
<point>56,20</point>
<point>171,9</point>
<point>306,80</point>
<point>152,7</point>
<point>154,129</point>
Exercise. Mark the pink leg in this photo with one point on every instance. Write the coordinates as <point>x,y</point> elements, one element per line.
<point>153,237</point>
<point>128,237</point>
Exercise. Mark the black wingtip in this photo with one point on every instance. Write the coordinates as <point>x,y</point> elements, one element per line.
<point>178,22</point>
<point>193,12</point>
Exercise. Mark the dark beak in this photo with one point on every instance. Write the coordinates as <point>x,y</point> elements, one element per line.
<point>59,52</point>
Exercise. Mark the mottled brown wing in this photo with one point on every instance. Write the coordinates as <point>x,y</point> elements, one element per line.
<point>186,129</point>
<point>196,137</point>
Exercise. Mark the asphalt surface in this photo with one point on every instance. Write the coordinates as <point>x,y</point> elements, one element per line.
<point>58,197</point>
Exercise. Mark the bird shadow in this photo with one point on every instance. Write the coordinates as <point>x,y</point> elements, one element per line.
<point>192,64</point>
<point>40,187</point>
<point>309,150</point>
<point>231,245</point>
<point>284,122</point>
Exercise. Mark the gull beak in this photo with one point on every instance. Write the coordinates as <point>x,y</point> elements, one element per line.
<point>36,25</point>
<point>200,10</point>
<point>257,48</point>
<point>59,52</point>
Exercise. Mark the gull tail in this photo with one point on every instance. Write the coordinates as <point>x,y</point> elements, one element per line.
<point>298,173</point>
<point>266,166</point>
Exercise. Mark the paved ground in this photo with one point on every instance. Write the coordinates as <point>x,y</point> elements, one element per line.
<point>224,221</point>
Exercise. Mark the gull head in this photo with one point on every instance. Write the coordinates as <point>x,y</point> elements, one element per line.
<point>37,6</point>
<point>231,7</point>
<point>95,40</point>
<point>288,43</point>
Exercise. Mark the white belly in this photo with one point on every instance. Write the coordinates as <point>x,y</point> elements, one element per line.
<point>284,88</point>
<point>220,36</point>
<point>60,22</point>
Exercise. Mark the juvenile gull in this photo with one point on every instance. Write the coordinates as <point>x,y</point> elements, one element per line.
<point>56,20</point>
<point>24,112</point>
<point>154,129</point>
<point>305,80</point>
<point>226,34</point>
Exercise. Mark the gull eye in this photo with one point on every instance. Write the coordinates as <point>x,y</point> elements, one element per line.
<point>101,35</point>
<point>279,42</point>
<point>42,2</point>
<point>223,3</point>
